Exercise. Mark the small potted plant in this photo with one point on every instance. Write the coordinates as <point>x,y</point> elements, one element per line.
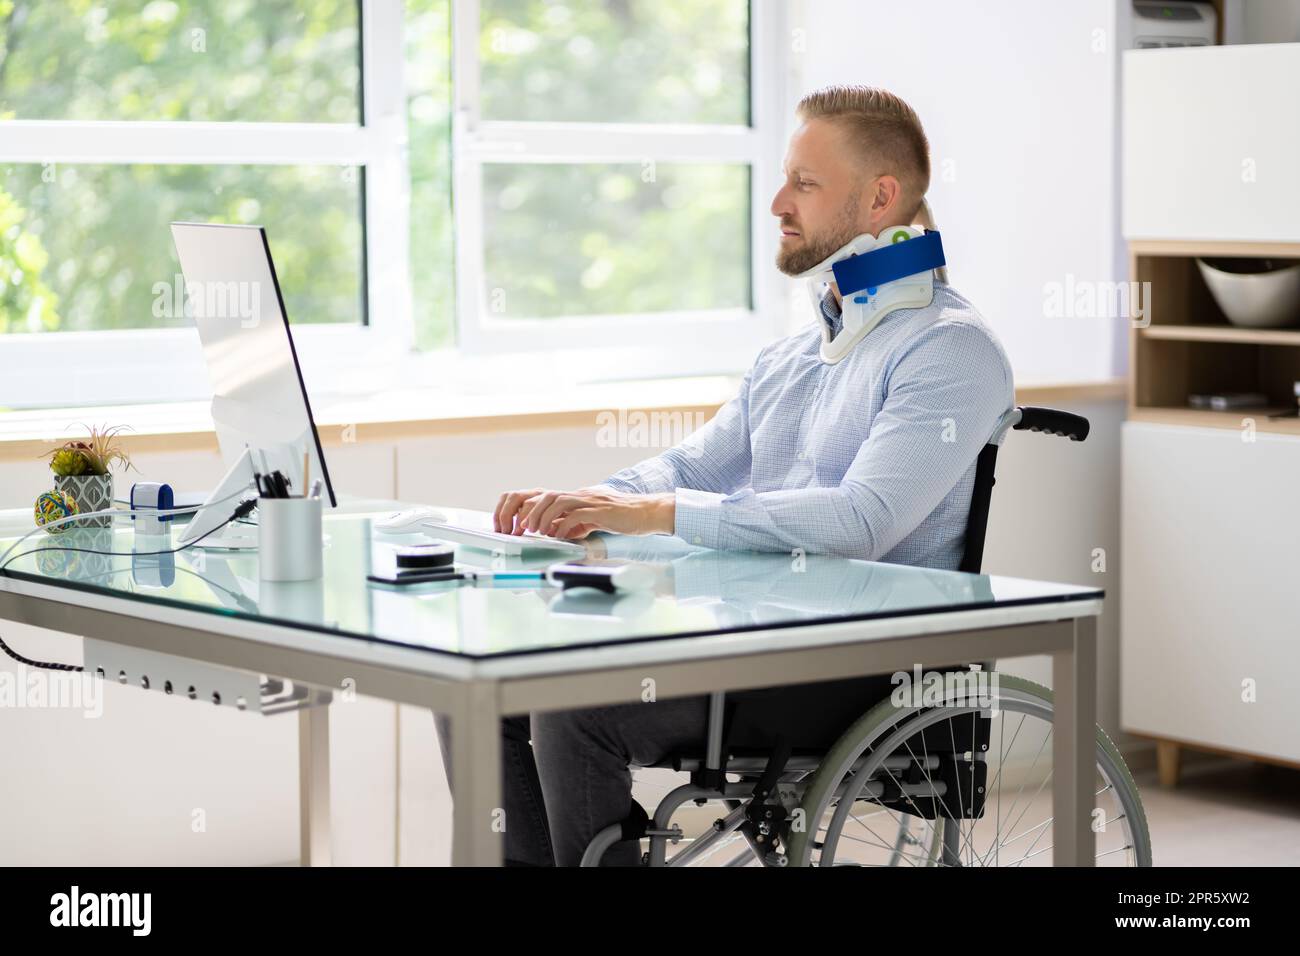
<point>81,469</point>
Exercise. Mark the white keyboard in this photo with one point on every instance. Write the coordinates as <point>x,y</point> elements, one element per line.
<point>499,542</point>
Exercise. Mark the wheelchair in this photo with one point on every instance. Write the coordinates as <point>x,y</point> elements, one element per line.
<point>909,783</point>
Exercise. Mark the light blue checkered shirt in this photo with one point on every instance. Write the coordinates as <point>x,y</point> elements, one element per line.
<point>873,457</point>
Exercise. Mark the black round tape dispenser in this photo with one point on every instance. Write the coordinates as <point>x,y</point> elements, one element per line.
<point>422,557</point>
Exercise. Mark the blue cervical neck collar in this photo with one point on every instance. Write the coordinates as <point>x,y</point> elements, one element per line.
<point>870,270</point>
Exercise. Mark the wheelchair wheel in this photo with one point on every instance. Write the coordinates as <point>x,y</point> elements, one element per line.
<point>863,809</point>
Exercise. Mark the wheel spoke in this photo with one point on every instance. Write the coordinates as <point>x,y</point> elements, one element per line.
<point>864,826</point>
<point>1025,833</point>
<point>997,776</point>
<point>884,846</point>
<point>961,810</point>
<point>1028,805</point>
<point>1028,774</point>
<point>1002,756</point>
<point>1118,849</point>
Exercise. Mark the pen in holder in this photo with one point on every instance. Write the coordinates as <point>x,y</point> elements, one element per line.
<point>289,538</point>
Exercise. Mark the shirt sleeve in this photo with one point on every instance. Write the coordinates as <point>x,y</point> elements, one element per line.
<point>715,457</point>
<point>944,397</point>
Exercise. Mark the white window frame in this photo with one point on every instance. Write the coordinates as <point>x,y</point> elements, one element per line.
<point>720,340</point>
<point>149,365</point>
<point>140,365</point>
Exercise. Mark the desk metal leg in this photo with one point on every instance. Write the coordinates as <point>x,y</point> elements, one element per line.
<point>314,785</point>
<point>1074,747</point>
<point>478,815</point>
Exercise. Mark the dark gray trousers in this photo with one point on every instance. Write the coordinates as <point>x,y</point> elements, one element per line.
<point>574,778</point>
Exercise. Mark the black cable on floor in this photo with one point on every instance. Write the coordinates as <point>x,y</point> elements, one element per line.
<point>47,665</point>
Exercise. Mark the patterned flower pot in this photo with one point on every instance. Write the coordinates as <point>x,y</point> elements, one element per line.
<point>92,493</point>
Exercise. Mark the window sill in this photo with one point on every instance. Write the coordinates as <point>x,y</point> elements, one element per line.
<point>396,414</point>
<point>426,412</point>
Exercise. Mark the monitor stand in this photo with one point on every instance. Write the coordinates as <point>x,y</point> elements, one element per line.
<point>210,515</point>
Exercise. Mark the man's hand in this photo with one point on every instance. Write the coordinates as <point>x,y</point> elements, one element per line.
<point>575,514</point>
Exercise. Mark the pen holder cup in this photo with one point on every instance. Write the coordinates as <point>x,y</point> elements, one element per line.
<point>290,543</point>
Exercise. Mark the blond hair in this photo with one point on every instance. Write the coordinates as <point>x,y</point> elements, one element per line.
<point>885,130</point>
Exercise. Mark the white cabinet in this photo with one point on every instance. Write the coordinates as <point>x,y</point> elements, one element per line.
<point>1211,143</point>
<point>1210,570</point>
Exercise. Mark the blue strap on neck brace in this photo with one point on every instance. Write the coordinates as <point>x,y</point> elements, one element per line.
<point>873,269</point>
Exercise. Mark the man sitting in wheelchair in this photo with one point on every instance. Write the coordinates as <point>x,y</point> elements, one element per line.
<point>855,436</point>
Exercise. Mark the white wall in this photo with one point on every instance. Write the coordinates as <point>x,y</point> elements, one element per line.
<point>1270,21</point>
<point>1018,100</point>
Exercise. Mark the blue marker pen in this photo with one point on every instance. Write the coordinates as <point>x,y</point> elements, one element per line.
<point>509,577</point>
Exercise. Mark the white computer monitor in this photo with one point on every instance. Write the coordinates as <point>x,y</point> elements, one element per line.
<point>259,402</point>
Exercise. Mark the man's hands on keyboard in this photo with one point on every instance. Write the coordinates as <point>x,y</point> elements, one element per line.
<point>575,514</point>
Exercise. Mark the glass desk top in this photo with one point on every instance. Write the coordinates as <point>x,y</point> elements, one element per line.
<point>697,591</point>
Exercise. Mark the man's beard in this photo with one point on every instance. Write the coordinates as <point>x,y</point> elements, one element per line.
<point>816,248</point>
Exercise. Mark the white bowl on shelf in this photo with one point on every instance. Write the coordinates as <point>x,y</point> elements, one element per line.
<point>1254,293</point>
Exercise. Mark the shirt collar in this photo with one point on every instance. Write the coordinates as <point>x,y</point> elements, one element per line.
<point>832,315</point>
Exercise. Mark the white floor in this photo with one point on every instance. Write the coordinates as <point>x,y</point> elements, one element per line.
<point>1225,813</point>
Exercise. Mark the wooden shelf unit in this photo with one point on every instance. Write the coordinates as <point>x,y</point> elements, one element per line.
<point>1188,345</point>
